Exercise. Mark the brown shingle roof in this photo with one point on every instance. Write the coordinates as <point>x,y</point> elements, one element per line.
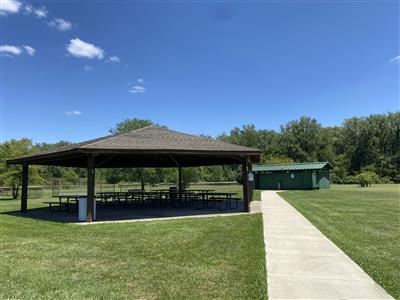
<point>141,144</point>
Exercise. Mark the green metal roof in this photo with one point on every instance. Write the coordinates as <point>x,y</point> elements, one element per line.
<point>292,167</point>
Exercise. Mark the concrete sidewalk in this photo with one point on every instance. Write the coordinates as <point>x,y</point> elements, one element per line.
<point>304,264</point>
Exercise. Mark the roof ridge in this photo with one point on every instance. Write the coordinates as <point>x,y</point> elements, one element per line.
<point>115,135</point>
<point>166,129</point>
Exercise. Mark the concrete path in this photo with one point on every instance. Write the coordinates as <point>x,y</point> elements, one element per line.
<point>304,264</point>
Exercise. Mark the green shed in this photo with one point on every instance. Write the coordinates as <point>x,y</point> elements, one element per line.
<point>294,176</point>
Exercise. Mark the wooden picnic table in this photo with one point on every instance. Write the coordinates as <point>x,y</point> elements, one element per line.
<point>218,194</point>
<point>114,196</point>
<point>174,198</point>
<point>66,204</point>
<point>211,199</point>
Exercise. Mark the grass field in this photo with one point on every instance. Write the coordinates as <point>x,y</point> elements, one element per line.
<point>363,222</point>
<point>181,259</point>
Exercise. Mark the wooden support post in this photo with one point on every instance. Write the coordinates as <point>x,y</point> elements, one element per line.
<point>24,191</point>
<point>245,179</point>
<point>251,182</point>
<point>90,188</point>
<point>180,179</point>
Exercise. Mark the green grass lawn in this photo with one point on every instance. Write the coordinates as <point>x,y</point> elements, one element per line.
<point>221,257</point>
<point>363,222</point>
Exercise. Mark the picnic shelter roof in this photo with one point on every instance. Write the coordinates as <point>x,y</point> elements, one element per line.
<point>151,146</point>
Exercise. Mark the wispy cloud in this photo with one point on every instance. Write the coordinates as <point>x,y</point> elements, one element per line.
<point>16,6</point>
<point>87,68</point>
<point>395,60</point>
<point>11,50</point>
<point>113,59</point>
<point>9,7</point>
<point>79,48</point>
<point>29,50</point>
<point>40,12</point>
<point>60,24</point>
<point>137,89</point>
<point>73,113</point>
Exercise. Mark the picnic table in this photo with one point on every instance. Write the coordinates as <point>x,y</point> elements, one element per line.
<point>114,196</point>
<point>201,199</point>
<point>201,191</point>
<point>220,198</point>
<point>68,204</point>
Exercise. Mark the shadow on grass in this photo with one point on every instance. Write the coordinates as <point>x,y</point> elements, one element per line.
<point>123,212</point>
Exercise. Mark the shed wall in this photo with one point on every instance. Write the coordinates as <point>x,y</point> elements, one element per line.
<point>299,180</point>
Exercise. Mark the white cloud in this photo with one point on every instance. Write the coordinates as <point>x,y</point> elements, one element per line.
<point>9,7</point>
<point>113,59</point>
<point>29,9</point>
<point>40,12</point>
<point>79,48</point>
<point>137,89</point>
<point>73,113</point>
<point>87,68</point>
<point>10,50</point>
<point>31,51</point>
<point>60,24</point>
<point>15,6</point>
<point>395,60</point>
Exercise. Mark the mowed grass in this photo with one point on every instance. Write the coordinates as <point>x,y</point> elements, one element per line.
<point>363,222</point>
<point>221,257</point>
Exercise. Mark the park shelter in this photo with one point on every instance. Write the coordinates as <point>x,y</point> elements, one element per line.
<point>294,176</point>
<point>151,146</point>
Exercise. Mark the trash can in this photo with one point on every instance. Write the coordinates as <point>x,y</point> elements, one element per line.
<point>83,209</point>
<point>173,190</point>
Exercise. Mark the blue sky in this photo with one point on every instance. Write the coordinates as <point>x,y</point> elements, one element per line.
<point>73,70</point>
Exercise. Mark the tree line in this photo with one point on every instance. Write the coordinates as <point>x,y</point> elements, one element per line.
<point>362,150</point>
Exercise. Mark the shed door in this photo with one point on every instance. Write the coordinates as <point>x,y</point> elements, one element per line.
<point>314,180</point>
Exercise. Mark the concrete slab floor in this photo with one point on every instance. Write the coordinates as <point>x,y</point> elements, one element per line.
<point>123,213</point>
<point>302,263</point>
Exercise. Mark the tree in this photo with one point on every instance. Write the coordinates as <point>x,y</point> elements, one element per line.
<point>129,125</point>
<point>299,139</point>
<point>341,165</point>
<point>10,175</point>
<point>373,140</point>
<point>277,160</point>
<point>189,175</point>
<point>365,178</point>
<point>249,136</point>
<point>360,144</point>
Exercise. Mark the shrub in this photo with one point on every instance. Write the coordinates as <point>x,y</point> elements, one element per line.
<point>366,178</point>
